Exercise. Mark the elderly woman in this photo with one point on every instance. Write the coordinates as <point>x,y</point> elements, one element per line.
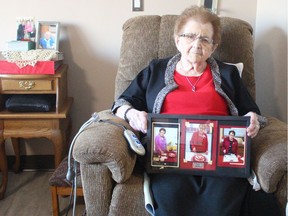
<point>230,144</point>
<point>213,88</point>
<point>199,140</point>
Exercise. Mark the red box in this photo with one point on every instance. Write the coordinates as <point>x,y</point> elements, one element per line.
<point>41,67</point>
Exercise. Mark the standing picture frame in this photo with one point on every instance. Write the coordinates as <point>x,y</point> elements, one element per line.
<point>47,35</point>
<point>25,29</point>
<point>198,145</point>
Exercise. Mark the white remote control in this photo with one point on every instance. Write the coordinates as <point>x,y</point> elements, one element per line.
<point>134,143</point>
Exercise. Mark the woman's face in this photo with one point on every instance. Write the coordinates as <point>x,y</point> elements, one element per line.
<point>195,41</point>
<point>162,133</point>
<point>231,136</point>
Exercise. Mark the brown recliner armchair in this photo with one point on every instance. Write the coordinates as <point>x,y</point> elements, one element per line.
<point>111,184</point>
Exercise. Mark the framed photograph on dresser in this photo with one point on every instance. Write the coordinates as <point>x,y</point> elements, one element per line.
<point>47,35</point>
<point>198,145</point>
<point>25,29</point>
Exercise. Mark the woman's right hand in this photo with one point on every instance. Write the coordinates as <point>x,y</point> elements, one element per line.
<point>138,120</point>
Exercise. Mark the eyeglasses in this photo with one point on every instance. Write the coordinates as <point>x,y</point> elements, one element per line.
<point>190,38</point>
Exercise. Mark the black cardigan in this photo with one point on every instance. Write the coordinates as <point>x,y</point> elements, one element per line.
<point>148,90</point>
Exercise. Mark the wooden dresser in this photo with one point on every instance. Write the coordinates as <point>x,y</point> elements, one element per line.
<point>53,125</point>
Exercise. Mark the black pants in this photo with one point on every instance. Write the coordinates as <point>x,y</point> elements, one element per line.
<point>183,195</point>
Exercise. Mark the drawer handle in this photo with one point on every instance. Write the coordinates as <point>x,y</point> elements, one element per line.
<point>27,85</point>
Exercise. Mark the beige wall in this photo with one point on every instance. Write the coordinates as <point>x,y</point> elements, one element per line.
<point>271,57</point>
<point>91,38</point>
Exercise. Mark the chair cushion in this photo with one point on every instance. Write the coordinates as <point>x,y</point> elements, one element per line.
<point>58,177</point>
<point>105,143</point>
<point>129,193</point>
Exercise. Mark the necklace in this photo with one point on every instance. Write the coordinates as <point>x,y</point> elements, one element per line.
<point>194,86</point>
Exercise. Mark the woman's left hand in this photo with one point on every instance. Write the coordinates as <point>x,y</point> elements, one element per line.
<point>254,126</point>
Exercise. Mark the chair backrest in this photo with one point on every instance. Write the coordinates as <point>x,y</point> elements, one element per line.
<point>150,37</point>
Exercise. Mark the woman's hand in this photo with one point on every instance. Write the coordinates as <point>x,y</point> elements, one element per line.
<point>138,120</point>
<point>254,126</point>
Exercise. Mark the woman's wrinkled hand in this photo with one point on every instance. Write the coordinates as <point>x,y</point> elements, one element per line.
<point>138,120</point>
<point>254,126</point>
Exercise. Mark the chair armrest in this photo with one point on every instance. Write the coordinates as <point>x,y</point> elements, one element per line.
<point>104,143</point>
<point>269,154</point>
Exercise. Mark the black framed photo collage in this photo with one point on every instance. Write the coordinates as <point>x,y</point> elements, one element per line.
<point>199,145</point>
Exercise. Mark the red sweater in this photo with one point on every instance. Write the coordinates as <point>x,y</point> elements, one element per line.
<point>204,101</point>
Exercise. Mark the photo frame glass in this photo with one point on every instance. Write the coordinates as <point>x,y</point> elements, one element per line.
<point>47,36</point>
<point>200,145</point>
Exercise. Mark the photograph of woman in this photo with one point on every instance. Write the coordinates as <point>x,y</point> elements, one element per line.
<point>161,142</point>
<point>199,140</point>
<point>230,144</point>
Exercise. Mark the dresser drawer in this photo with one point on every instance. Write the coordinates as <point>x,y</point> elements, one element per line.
<point>26,85</point>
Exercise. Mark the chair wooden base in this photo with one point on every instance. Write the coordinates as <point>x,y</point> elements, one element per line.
<point>57,191</point>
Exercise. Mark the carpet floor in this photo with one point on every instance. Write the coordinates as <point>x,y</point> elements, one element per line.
<point>28,193</point>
